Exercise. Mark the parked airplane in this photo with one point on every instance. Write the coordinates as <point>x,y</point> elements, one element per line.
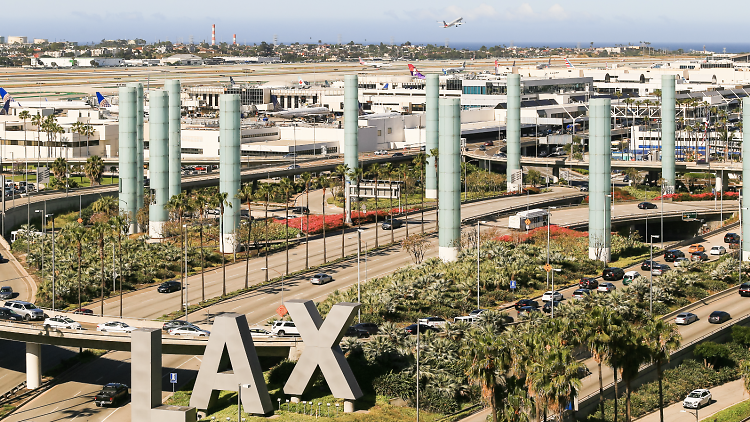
<point>378,115</point>
<point>455,69</point>
<point>455,23</point>
<point>295,112</point>
<point>105,105</point>
<point>415,73</point>
<point>302,84</point>
<point>6,108</point>
<point>568,64</point>
<point>544,65</point>
<point>34,103</point>
<point>376,65</point>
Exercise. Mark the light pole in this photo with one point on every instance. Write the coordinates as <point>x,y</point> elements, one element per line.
<point>651,276</point>
<point>549,214</point>
<point>553,289</point>
<point>478,250</point>
<point>282,281</point>
<point>44,223</point>
<point>53,260</point>
<point>692,413</point>
<point>359,292</point>
<point>185,283</point>
<point>740,255</point>
<point>662,217</point>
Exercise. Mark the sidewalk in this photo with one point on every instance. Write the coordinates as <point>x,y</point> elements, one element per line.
<point>722,396</point>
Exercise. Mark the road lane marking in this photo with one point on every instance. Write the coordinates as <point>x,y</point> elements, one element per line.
<point>113,412</point>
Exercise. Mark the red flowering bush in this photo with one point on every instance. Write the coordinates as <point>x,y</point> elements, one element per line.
<point>336,221</point>
<point>684,197</point>
<point>540,233</point>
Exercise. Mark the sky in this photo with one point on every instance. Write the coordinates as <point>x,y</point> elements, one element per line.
<point>546,22</point>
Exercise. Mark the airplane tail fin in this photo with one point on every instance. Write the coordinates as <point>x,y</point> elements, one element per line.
<point>568,64</point>
<point>444,72</point>
<point>385,86</point>
<point>275,102</point>
<point>231,80</point>
<point>412,69</point>
<point>362,62</point>
<point>6,108</point>
<point>445,24</point>
<point>419,75</point>
<point>101,100</point>
<point>4,96</point>
<point>514,63</point>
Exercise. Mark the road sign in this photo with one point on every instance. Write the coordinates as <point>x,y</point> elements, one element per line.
<point>513,284</point>
<point>281,310</point>
<point>42,175</point>
<point>80,220</point>
<point>173,377</point>
<point>547,267</point>
<point>527,221</point>
<point>689,215</point>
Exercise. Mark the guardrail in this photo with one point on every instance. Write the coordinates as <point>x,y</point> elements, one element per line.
<point>12,392</point>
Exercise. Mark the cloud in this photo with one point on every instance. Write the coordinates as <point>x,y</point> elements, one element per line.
<point>526,13</point>
<point>481,11</point>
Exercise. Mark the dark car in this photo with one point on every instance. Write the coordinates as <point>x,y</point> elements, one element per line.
<point>646,265</point>
<point>547,308</point>
<point>588,283</point>
<point>613,274</point>
<point>699,256</point>
<point>6,292</point>
<point>482,148</point>
<point>397,224</point>
<point>526,302</point>
<point>672,255</point>
<point>300,210</point>
<point>370,327</point>
<point>7,314</point>
<point>397,154</point>
<point>175,324</point>
<point>111,393</point>
<point>83,311</point>
<point>647,206</point>
<point>745,289</point>
<point>169,286</point>
<point>717,317</point>
<point>732,238</point>
<point>423,328</point>
<point>356,332</point>
<point>526,311</point>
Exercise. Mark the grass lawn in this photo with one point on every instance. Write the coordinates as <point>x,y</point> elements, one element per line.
<point>82,181</point>
<point>737,413</point>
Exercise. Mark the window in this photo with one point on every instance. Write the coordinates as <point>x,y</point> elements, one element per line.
<point>390,130</point>
<point>380,132</point>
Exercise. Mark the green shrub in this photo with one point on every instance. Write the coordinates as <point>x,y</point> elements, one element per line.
<point>695,293</point>
<point>661,308</point>
<point>712,353</point>
<point>714,286</point>
<point>395,384</point>
<point>741,335</point>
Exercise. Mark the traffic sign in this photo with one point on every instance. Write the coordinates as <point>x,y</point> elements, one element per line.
<point>80,220</point>
<point>513,284</point>
<point>547,267</point>
<point>527,221</point>
<point>173,377</point>
<point>689,216</point>
<point>281,310</point>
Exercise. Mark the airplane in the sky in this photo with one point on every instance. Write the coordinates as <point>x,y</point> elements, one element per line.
<point>568,64</point>
<point>415,73</point>
<point>105,105</point>
<point>455,69</point>
<point>376,65</point>
<point>455,23</point>
<point>295,112</point>
<point>38,103</point>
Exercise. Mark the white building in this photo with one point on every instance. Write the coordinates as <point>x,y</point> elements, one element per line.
<point>17,40</point>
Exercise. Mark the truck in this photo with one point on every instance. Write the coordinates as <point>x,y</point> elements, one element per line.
<point>111,394</point>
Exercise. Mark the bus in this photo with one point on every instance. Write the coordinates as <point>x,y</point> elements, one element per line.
<point>537,218</point>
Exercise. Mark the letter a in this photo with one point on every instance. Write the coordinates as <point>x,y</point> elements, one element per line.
<point>231,341</point>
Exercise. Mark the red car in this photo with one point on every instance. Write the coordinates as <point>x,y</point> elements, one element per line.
<point>489,144</point>
<point>83,311</point>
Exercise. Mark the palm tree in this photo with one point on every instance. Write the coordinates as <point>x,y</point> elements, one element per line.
<point>324,182</point>
<point>286,186</point>
<point>106,205</point>
<point>98,231</point>
<point>403,171</point>
<point>177,204</point>
<point>199,202</point>
<point>595,337</point>
<point>662,338</point>
<point>88,131</point>
<point>634,352</point>
<point>388,170</point>
<point>419,165</point>
<point>24,115</point>
<point>245,194</point>
<point>265,192</point>
<point>357,173</point>
<point>341,171</point>
<point>220,199</point>
<point>77,233</point>
<point>119,225</point>
<point>374,172</point>
<point>94,169</point>
<point>37,120</point>
<point>486,358</point>
<point>306,178</point>
<point>59,169</point>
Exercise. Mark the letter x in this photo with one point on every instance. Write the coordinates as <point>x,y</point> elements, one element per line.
<point>321,339</point>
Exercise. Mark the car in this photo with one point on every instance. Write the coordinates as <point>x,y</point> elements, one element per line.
<point>370,327</point>
<point>588,283</point>
<point>169,287</point>
<point>290,155</point>
<point>397,224</point>
<point>732,238</point>
<point>471,318</point>
<point>356,332</point>
<point>525,311</point>
<point>606,287</point>
<point>646,205</point>
<point>482,148</point>
<point>6,292</point>
<point>646,265</point>
<point>432,321</point>
<point>699,256</point>
<point>626,179</point>
<point>499,155</point>
<point>321,278</point>
<point>685,318</point>
<point>718,250</point>
<point>412,329</point>
<point>697,399</point>
<point>630,276</point>
<point>60,321</point>
<point>27,310</point>
<point>259,332</point>
<point>681,262</point>
<point>111,394</point>
<point>613,274</point>
<point>9,315</point>
<point>581,293</point>
<point>744,290</point>
<point>282,328</point>
<point>189,330</point>
<point>114,327</point>
<point>301,210</point>
<point>583,188</point>
<point>293,167</point>
<point>696,247</point>
<point>547,308</point>
<point>660,269</point>
<point>489,144</point>
<point>526,302</point>
<point>672,254</point>
<point>176,323</point>
<point>397,154</point>
<point>549,295</point>
<point>83,311</point>
<point>717,317</point>
<point>381,152</point>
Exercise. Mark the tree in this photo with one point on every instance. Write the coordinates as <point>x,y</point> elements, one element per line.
<point>94,169</point>
<point>106,205</point>
<point>420,165</point>
<point>324,182</point>
<point>98,231</point>
<point>199,203</point>
<point>119,224</point>
<point>306,179</point>
<point>286,186</point>
<point>403,171</point>
<point>177,205</point>
<point>77,233</point>
<point>485,359</point>
<point>341,171</point>
<point>554,377</point>
<point>24,115</point>
<point>534,177</point>
<point>662,338</point>
<point>37,120</point>
<point>265,192</point>
<point>245,194</point>
<point>387,171</point>
<point>374,172</point>
<point>357,174</point>
<point>416,245</point>
<point>220,199</point>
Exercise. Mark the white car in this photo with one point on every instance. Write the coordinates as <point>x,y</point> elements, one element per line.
<point>189,330</point>
<point>60,321</point>
<point>681,262</point>
<point>433,321</point>
<point>321,278</point>
<point>257,332</point>
<point>282,328</point>
<point>548,296</point>
<point>381,152</point>
<point>685,318</point>
<point>114,327</point>
<point>718,250</point>
<point>471,318</point>
<point>697,399</point>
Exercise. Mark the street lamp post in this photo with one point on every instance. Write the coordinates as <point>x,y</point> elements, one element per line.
<point>478,261</point>
<point>692,413</point>
<point>359,291</point>
<point>53,260</point>
<point>651,276</point>
<point>185,283</point>
<point>44,223</point>
<point>282,281</point>
<point>553,290</point>
<point>548,237</point>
